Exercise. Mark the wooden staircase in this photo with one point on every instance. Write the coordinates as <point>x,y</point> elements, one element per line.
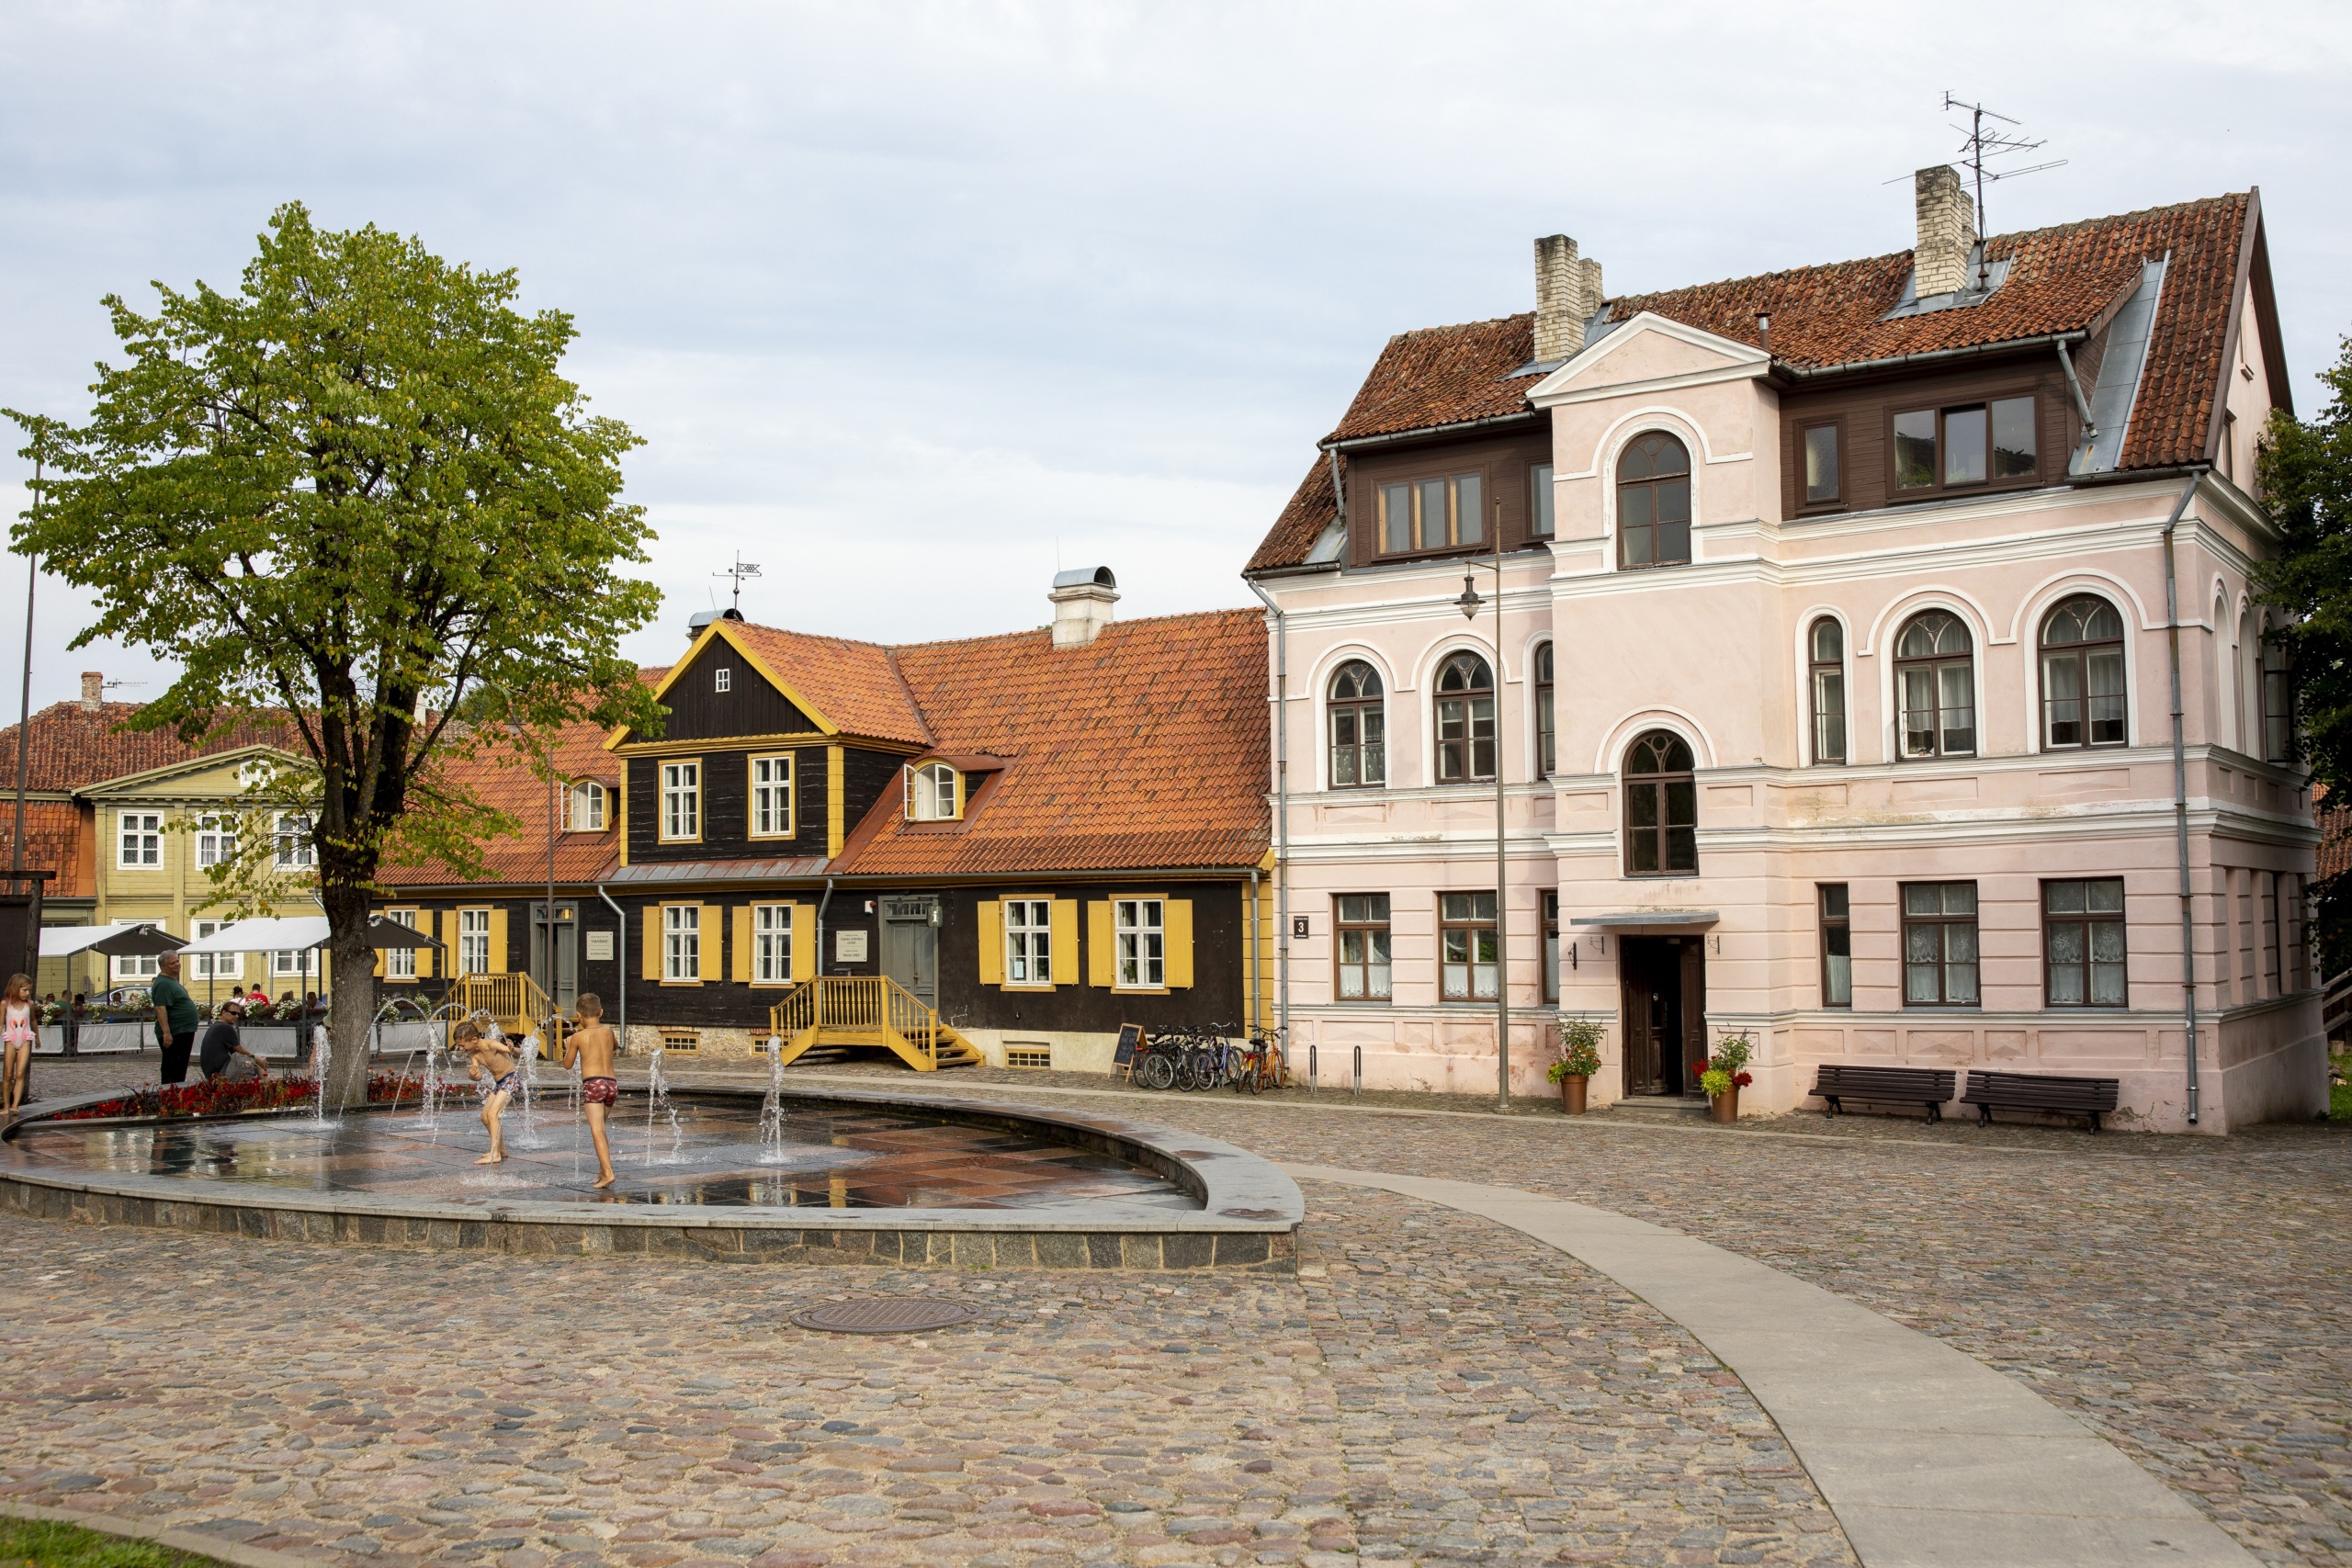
<point>518,1005</point>
<point>869,1011</point>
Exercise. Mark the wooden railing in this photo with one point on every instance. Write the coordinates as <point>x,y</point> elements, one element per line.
<point>861,1009</point>
<point>515,1000</point>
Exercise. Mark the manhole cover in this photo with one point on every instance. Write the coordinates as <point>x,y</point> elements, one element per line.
<point>882,1316</point>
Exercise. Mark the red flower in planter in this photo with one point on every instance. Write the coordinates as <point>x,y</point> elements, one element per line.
<point>1742,1080</point>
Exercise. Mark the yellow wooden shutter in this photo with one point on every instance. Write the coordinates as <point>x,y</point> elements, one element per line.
<point>1064,951</point>
<point>992,929</point>
<point>650,916</point>
<point>743,966</point>
<point>498,965</point>
<point>714,955</point>
<point>1180,942</point>
<point>379,952</point>
<point>804,942</point>
<point>1100,968</point>
<point>429,923</point>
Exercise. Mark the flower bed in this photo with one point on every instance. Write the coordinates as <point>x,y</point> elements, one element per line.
<point>221,1097</point>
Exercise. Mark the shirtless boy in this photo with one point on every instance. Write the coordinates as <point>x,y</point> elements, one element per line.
<point>495,1059</point>
<point>594,1045</point>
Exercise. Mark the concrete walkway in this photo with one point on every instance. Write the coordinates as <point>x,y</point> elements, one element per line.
<point>1927,1456</point>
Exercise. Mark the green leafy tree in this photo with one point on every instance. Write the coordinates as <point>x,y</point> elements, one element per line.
<point>341,499</point>
<point>2307,483</point>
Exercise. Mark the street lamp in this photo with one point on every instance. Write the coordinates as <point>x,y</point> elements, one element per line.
<point>554,799</point>
<point>1469,602</point>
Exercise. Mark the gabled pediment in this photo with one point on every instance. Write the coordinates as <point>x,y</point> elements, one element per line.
<point>1648,353</point>
<point>215,774</point>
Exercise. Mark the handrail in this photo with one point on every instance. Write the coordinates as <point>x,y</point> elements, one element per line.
<point>515,1001</point>
<point>872,1004</point>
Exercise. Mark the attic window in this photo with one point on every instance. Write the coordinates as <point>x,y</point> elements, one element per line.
<point>725,679</point>
<point>587,806</point>
<point>933,795</point>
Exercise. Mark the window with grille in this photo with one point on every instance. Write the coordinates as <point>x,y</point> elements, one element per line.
<point>588,807</point>
<point>772,796</point>
<point>1468,946</point>
<point>1139,943</point>
<point>2082,942</point>
<point>1661,806</point>
<point>1033,1057</point>
<point>1028,941</point>
<point>473,942</point>
<point>2082,674</point>
<point>1959,448</point>
<point>1940,965</point>
<point>1465,720</point>
<point>1359,727</point>
<point>1826,647</point>
<point>141,842</point>
<point>1547,751</point>
<point>675,1041</point>
<point>1935,680</point>
<point>932,794</point>
<point>1363,927</point>
<point>681,800</point>
<point>216,841</point>
<point>682,941</point>
<point>400,962</point>
<point>1431,514</point>
<point>771,942</point>
<point>214,965</point>
<point>1654,503</point>
<point>297,850</point>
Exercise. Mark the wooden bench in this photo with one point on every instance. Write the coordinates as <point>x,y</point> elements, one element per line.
<point>2036,1091</point>
<point>1930,1086</point>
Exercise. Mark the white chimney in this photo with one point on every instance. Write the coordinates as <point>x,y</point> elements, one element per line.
<point>94,689</point>
<point>1947,232</point>
<point>1567,291</point>
<point>1082,599</point>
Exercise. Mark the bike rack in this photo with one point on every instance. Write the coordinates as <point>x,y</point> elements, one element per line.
<point>1359,1084</point>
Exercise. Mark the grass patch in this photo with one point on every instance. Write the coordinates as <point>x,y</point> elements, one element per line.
<point>44,1543</point>
<point>2339,1088</point>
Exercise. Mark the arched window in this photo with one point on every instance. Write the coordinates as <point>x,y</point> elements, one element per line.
<point>1661,807</point>
<point>2082,674</point>
<point>1548,751</point>
<point>1654,503</point>
<point>587,806</point>
<point>1359,727</point>
<point>1465,720</point>
<point>2277,705</point>
<point>1935,684</point>
<point>933,795</point>
<point>1825,650</point>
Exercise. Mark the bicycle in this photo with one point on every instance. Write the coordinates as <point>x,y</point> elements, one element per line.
<point>1155,1064</point>
<point>1255,1066</point>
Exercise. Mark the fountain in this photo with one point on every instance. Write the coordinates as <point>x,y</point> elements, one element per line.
<point>527,1091</point>
<point>772,1151</point>
<point>657,1102</point>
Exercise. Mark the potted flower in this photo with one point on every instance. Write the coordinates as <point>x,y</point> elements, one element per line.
<point>1725,1074</point>
<point>1578,1043</point>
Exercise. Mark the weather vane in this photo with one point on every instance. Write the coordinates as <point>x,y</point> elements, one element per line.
<point>738,571</point>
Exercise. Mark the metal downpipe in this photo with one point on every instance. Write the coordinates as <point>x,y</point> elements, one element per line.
<point>2180,799</point>
<point>620,958</point>
<point>1282,823</point>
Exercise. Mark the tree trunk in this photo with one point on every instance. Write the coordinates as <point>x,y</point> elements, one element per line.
<point>352,1007</point>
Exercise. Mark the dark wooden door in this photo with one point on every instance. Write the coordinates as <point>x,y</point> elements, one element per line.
<point>1693,1005</point>
<point>910,947</point>
<point>1647,1012</point>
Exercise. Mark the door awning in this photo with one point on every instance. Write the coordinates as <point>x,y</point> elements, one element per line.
<point>1634,919</point>
<point>295,933</point>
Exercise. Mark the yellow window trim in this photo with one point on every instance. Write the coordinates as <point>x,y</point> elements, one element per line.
<point>791,761</point>
<point>662,805</point>
<point>906,791</point>
<point>836,802</point>
<point>792,923</point>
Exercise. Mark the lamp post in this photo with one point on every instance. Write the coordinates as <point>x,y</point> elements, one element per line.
<point>546,985</point>
<point>1469,604</point>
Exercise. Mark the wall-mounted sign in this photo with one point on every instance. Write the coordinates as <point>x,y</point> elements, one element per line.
<point>1298,925</point>
<point>849,947</point>
<point>600,947</point>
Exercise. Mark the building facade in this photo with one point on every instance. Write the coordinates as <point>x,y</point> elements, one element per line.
<point>1826,627</point>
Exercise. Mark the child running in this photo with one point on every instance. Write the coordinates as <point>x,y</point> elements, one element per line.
<point>495,1060</point>
<point>17,1033</point>
<point>593,1044</point>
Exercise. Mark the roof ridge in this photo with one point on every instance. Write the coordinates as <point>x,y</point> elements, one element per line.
<point>1511,320</point>
<point>895,649</point>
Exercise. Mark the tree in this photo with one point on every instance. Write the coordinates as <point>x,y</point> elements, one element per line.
<point>2307,483</point>
<point>342,498</point>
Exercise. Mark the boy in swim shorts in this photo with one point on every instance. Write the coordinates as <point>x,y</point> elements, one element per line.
<point>594,1045</point>
<point>495,1060</point>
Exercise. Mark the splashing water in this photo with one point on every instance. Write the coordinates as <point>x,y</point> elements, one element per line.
<point>322,1059</point>
<point>527,1089</point>
<point>657,1102</point>
<point>428,1104</point>
<point>772,1107</point>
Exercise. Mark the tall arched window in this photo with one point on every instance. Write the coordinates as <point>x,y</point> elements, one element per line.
<point>1826,650</point>
<point>1935,684</point>
<point>1654,503</point>
<point>1661,807</point>
<point>1548,751</point>
<point>2082,674</point>
<point>1465,720</point>
<point>1359,727</point>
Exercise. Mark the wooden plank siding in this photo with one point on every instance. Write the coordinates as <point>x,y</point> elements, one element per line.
<point>751,705</point>
<point>1501,461</point>
<point>726,806</point>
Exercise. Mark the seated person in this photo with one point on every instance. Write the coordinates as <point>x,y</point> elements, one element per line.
<point>221,1054</point>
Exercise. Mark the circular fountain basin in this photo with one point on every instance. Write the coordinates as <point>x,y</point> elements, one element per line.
<point>852,1177</point>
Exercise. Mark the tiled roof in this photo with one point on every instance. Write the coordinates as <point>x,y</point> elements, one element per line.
<point>511,784</point>
<point>75,747</point>
<point>852,684</point>
<point>1146,749</point>
<point>2062,279</point>
<point>53,831</point>
<point>2336,834</point>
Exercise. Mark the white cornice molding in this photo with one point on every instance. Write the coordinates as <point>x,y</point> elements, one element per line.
<point>1745,362</point>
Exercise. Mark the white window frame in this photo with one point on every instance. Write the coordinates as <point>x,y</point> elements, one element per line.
<point>473,942</point>
<point>586,809</point>
<point>924,787</point>
<point>214,965</point>
<point>724,678</point>
<point>400,962</point>
<point>216,841</point>
<point>1139,944</point>
<point>771,797</point>
<point>681,943</point>
<point>133,968</point>
<point>1029,942</point>
<point>297,848</point>
<point>294,963</point>
<point>138,841</point>
<point>681,820</point>
<point>772,936</point>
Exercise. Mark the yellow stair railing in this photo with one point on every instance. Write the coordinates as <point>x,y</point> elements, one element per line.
<point>867,1010</point>
<point>517,1003</point>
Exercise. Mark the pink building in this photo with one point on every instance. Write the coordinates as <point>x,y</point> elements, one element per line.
<point>1842,612</point>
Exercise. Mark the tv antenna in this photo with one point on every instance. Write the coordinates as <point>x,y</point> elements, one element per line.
<point>1984,142</point>
<point>738,571</point>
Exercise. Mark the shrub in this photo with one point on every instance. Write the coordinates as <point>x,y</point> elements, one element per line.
<point>1578,1047</point>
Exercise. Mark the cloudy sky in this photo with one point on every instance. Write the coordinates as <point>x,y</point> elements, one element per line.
<point>914,301</point>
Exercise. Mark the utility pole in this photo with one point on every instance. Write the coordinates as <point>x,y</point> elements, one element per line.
<point>25,699</point>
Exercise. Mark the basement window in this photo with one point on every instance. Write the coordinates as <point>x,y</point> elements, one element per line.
<point>1028,1055</point>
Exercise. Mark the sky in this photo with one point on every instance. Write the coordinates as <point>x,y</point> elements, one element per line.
<point>914,303</point>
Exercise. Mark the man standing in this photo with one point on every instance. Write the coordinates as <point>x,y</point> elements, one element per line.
<point>175,1017</point>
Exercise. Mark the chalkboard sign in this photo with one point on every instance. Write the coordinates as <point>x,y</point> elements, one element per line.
<point>1130,1036</point>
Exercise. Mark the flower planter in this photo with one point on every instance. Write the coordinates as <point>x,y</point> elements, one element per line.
<point>272,1041</point>
<point>51,1041</point>
<point>1572,1093</point>
<point>98,1037</point>
<point>403,1039</point>
<point>1724,1107</point>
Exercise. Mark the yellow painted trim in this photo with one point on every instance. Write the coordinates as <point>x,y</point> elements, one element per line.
<point>788,739</point>
<point>623,813</point>
<point>905,790</point>
<point>660,809</point>
<point>791,792</point>
<point>723,630</point>
<point>836,799</point>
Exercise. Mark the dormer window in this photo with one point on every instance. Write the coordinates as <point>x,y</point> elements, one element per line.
<point>587,806</point>
<point>934,793</point>
<point>724,680</point>
<point>1433,514</point>
<point>1990,443</point>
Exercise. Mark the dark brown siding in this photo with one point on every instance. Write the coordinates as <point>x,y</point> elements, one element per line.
<point>1501,461</point>
<point>1863,412</point>
<point>871,778</point>
<point>751,707</point>
<point>725,807</point>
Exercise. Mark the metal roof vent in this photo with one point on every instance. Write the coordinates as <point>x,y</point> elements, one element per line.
<point>700,619</point>
<point>1083,598</point>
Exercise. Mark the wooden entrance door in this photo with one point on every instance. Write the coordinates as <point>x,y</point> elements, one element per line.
<point>1663,982</point>
<point>911,946</point>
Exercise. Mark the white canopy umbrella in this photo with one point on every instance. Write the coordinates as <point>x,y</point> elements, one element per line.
<point>297,932</point>
<point>139,939</point>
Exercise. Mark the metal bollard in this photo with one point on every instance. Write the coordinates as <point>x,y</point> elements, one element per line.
<point>1359,1088</point>
<point>1310,1067</point>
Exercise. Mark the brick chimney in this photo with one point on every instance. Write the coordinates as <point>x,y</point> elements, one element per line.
<point>94,689</point>
<point>1947,232</point>
<point>1568,290</point>
<point>1082,599</point>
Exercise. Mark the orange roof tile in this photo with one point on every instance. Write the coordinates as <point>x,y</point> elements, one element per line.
<point>75,747</point>
<point>852,684</point>
<point>511,784</point>
<point>53,842</point>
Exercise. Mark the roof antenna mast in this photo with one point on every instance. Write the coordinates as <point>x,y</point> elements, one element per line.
<point>1981,144</point>
<point>738,571</point>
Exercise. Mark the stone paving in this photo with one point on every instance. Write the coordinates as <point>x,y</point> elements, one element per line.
<point>1430,1389</point>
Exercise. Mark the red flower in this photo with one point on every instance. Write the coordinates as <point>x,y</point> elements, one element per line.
<point>1744,1080</point>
